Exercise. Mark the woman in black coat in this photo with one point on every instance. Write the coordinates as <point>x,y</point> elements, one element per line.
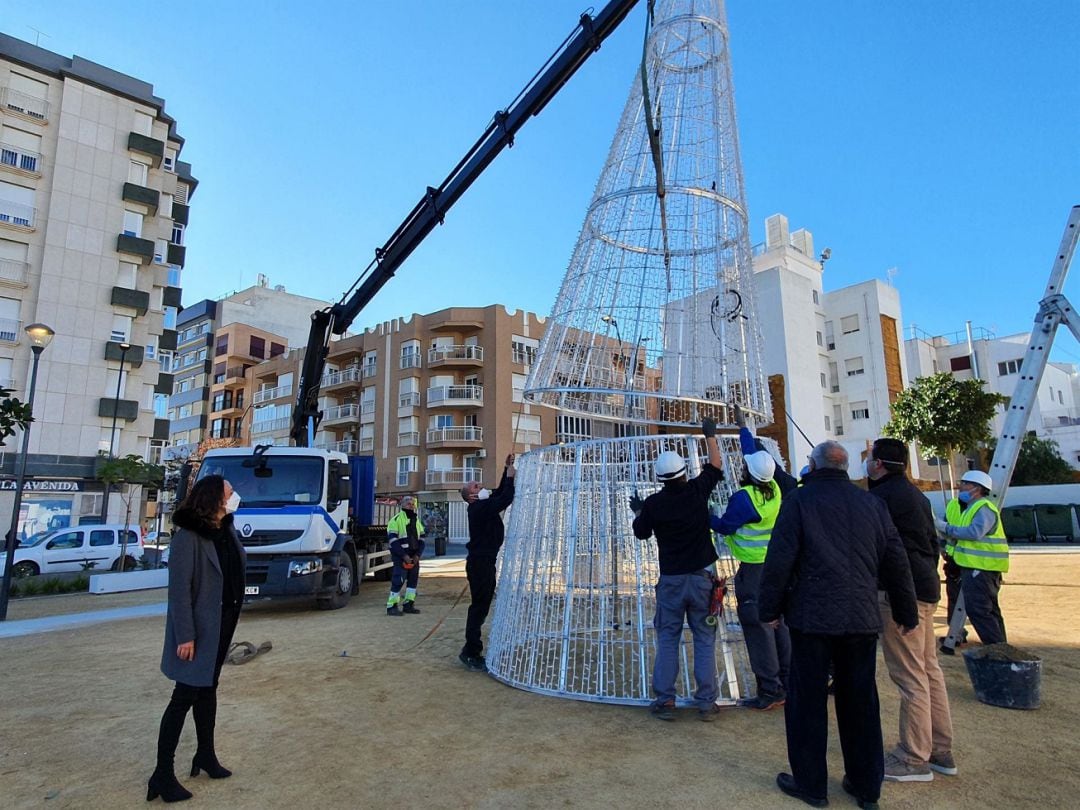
<point>206,590</point>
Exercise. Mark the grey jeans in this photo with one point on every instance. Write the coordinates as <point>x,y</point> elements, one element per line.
<point>679,598</point>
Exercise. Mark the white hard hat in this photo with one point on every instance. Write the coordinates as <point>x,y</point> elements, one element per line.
<point>669,464</point>
<point>978,477</point>
<point>761,466</point>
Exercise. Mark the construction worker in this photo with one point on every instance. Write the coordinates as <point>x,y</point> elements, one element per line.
<point>678,515</point>
<point>405,532</point>
<point>976,542</point>
<point>746,526</point>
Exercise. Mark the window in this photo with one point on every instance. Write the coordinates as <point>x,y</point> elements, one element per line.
<point>138,173</point>
<point>161,406</point>
<point>370,361</point>
<point>169,163</point>
<point>828,422</point>
<point>820,341</point>
<point>222,401</point>
<point>173,276</point>
<point>121,328</point>
<point>830,336</point>
<point>572,428</point>
<point>151,352</point>
<point>166,358</point>
<point>519,387</point>
<point>408,392</point>
<point>66,540</point>
<point>860,410</point>
<point>144,123</point>
<point>133,222</point>
<point>111,388</point>
<point>276,349</point>
<point>170,318</point>
<point>961,363</point>
<point>524,349</point>
<point>526,428</point>
<point>21,150</point>
<point>410,354</point>
<point>9,319</point>
<point>165,202</point>
<point>849,324</point>
<point>125,275</point>
<point>441,421</point>
<point>1061,399</point>
<point>161,250</point>
<point>16,204</point>
<point>1009,367</point>
<point>853,366</point>
<point>257,347</point>
<point>824,382</point>
<point>177,234</point>
<point>102,537</point>
<point>405,466</point>
<point>222,346</point>
<point>817,299</point>
<point>408,431</point>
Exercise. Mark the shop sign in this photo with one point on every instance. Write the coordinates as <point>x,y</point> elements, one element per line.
<point>8,485</point>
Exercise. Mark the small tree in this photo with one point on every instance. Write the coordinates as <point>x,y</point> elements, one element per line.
<point>1039,462</point>
<point>15,415</point>
<point>134,471</point>
<point>944,415</point>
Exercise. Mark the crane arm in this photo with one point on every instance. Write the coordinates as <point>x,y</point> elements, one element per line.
<point>431,209</point>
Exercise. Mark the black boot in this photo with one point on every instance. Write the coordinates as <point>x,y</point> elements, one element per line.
<point>163,782</point>
<point>205,712</point>
<point>410,607</point>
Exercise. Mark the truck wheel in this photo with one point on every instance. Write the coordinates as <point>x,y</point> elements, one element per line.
<point>344,587</point>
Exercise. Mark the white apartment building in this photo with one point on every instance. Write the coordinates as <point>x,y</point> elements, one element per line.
<point>1056,414</point>
<point>833,358</point>
<point>93,207</point>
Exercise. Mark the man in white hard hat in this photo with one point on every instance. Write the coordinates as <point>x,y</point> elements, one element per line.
<point>678,515</point>
<point>746,527</point>
<point>975,540</point>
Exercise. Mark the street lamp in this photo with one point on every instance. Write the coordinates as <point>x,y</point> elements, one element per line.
<point>40,336</point>
<point>124,347</point>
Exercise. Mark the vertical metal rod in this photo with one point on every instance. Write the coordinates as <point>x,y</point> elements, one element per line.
<point>112,436</point>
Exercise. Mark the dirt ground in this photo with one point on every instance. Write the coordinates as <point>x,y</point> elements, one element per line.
<point>352,708</point>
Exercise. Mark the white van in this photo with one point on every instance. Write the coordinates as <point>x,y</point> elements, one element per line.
<point>94,547</point>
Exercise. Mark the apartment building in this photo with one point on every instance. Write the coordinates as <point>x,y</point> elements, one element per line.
<point>982,355</point>
<point>93,207</point>
<point>833,358</point>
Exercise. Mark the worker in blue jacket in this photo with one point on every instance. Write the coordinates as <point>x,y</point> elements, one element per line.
<point>405,532</point>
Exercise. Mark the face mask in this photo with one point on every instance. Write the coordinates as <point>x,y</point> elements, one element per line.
<point>483,494</point>
<point>233,503</point>
<point>964,496</point>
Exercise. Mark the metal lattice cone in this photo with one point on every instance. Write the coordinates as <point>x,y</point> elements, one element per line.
<point>654,325</point>
<point>655,321</point>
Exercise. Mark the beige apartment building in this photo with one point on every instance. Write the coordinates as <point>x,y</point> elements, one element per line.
<point>93,208</point>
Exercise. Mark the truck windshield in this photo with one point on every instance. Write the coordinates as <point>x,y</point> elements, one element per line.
<point>285,480</point>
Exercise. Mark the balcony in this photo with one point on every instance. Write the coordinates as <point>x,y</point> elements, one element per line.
<point>341,413</point>
<point>347,446</point>
<point>408,439</point>
<point>14,272</point>
<point>161,429</point>
<point>170,296</point>
<point>453,395</point>
<point>180,213</point>
<point>164,383</point>
<point>125,409</point>
<point>133,357</point>
<point>268,394</point>
<point>234,377</point>
<point>36,109</point>
<point>176,254</point>
<point>167,341</point>
<point>466,436</point>
<point>21,161</point>
<point>409,400</point>
<point>271,425</point>
<point>344,377</point>
<point>132,299</point>
<point>455,356</point>
<point>142,195</point>
<point>18,216</point>
<point>143,248</point>
<point>454,476</point>
<point>145,145</point>
<point>410,360</point>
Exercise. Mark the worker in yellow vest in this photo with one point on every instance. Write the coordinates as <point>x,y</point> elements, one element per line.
<point>405,532</point>
<point>746,526</point>
<point>976,542</point>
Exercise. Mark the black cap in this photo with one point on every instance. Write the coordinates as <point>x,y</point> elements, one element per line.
<point>890,451</point>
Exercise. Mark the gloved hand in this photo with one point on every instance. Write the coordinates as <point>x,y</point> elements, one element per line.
<point>708,427</point>
<point>636,504</point>
<point>740,417</point>
<point>941,526</point>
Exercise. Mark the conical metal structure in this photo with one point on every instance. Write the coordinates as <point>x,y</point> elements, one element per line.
<point>654,328</point>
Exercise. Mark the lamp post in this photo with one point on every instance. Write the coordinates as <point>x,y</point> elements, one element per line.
<point>40,336</point>
<point>124,347</point>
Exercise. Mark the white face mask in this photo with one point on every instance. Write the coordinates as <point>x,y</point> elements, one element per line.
<point>233,503</point>
<point>483,494</point>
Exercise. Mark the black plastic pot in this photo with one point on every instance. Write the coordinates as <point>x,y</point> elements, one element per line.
<point>1001,680</point>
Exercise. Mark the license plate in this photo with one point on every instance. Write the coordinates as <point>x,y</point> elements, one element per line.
<point>251,590</point>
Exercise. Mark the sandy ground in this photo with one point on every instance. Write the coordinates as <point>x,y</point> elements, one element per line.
<point>352,708</point>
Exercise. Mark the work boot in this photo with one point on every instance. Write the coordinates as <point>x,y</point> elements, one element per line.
<point>394,610</point>
<point>473,663</point>
<point>663,711</point>
<point>410,607</point>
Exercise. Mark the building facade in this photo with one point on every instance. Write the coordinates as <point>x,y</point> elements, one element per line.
<point>93,207</point>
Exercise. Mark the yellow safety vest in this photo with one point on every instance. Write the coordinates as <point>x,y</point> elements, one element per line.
<point>399,525</point>
<point>751,540</point>
<point>991,553</point>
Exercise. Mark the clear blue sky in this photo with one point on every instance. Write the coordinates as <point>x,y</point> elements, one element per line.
<point>940,138</point>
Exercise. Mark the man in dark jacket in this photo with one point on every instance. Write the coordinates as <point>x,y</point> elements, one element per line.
<point>486,534</point>
<point>925,721</point>
<point>831,546</point>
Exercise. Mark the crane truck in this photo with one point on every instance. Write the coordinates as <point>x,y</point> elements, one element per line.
<point>294,518</point>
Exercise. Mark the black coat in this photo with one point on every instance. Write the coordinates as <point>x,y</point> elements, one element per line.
<point>486,529</point>
<point>911,514</point>
<point>830,548</point>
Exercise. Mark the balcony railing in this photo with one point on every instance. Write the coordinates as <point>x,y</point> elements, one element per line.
<point>410,360</point>
<point>347,446</point>
<point>455,434</point>
<point>526,358</point>
<point>410,400</point>
<point>336,412</point>
<point>455,395</point>
<point>10,330</point>
<point>346,375</point>
<point>367,406</point>
<point>441,354</point>
<point>268,394</point>
<point>408,439</point>
<point>18,158</point>
<point>270,425</point>
<point>527,436</point>
<point>14,272</point>
<point>454,475</point>
<point>17,214</point>
<point>370,370</point>
<point>31,107</point>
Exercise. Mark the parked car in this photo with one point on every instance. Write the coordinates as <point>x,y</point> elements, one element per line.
<point>98,547</point>
<point>156,548</point>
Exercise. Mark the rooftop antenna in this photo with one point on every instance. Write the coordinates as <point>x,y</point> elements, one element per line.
<point>890,274</point>
<point>37,37</point>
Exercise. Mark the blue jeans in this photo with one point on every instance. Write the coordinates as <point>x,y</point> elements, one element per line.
<point>686,597</point>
